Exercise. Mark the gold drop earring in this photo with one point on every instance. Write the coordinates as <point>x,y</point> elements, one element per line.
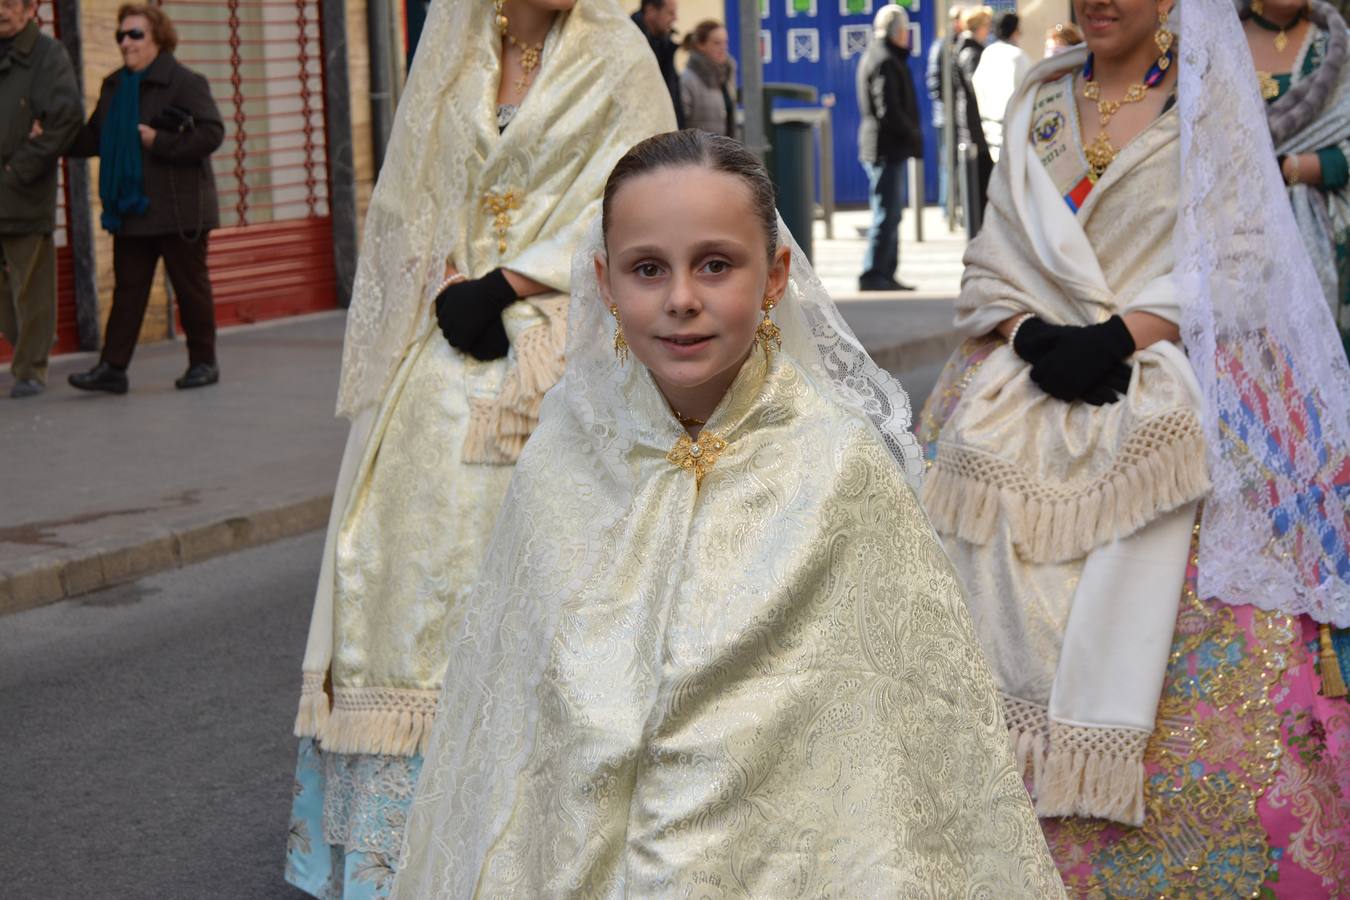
<point>620,343</point>
<point>1164,39</point>
<point>767,333</point>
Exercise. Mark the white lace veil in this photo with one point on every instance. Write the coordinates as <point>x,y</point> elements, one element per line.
<point>815,336</point>
<point>1276,528</point>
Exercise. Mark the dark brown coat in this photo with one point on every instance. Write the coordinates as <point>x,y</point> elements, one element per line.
<point>177,166</point>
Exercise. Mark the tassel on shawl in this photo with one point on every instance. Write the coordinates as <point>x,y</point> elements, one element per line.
<point>965,491</point>
<point>1093,772</point>
<point>499,428</point>
<point>392,732</point>
<point>312,716</point>
<point>1333,683</point>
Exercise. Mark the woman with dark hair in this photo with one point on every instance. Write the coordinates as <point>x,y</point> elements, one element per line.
<point>154,130</point>
<point>716,650</point>
<point>708,82</point>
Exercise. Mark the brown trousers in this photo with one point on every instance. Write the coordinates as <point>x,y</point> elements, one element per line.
<point>134,262</point>
<point>28,301</point>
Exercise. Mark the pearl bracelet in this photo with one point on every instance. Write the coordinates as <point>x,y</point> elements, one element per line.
<point>453,279</point>
<point>1012,335</point>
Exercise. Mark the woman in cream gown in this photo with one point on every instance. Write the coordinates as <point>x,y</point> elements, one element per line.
<point>716,650</point>
<point>1147,337</point>
<point>510,122</point>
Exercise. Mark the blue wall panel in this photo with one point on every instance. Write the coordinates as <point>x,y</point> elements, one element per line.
<point>819,42</point>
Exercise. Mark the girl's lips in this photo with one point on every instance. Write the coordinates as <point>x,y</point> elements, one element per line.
<point>681,345</point>
<point>1098,23</point>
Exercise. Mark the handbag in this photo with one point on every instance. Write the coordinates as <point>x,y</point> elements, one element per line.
<point>173,118</point>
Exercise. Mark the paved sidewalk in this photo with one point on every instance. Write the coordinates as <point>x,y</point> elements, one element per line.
<point>97,489</point>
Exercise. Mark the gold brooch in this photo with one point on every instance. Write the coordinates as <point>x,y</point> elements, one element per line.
<point>501,205</point>
<point>697,456</point>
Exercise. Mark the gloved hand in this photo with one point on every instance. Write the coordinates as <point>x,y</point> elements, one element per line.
<point>1083,361</point>
<point>1037,337</point>
<point>470,315</point>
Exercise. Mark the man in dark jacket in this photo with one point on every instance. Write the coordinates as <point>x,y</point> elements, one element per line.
<point>889,135</point>
<point>656,20</point>
<point>37,87</point>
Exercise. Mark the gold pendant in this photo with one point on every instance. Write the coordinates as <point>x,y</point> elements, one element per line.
<point>501,205</point>
<point>697,456</point>
<point>1270,88</point>
<point>1100,154</point>
<point>1281,41</point>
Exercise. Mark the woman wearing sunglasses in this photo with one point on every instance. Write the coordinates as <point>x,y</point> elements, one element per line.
<point>154,130</point>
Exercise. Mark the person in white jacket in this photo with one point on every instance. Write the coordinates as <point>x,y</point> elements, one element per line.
<point>1002,67</point>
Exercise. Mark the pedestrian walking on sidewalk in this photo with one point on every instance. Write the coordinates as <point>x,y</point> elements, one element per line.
<point>155,128</point>
<point>40,112</point>
<point>888,136</point>
<point>708,82</point>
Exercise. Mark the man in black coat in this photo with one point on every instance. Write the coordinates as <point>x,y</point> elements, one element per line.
<point>39,115</point>
<point>889,135</point>
<point>656,20</point>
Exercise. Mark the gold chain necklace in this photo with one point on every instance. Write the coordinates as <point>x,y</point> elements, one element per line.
<point>530,54</point>
<point>1101,152</point>
<point>687,421</point>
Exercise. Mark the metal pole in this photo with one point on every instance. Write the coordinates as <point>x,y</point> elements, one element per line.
<point>917,195</point>
<point>383,76</point>
<point>752,77</point>
<point>949,116</point>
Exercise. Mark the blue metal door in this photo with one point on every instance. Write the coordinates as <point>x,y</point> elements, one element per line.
<point>819,42</point>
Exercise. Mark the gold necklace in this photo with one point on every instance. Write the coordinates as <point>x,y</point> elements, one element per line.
<point>687,421</point>
<point>1101,152</point>
<point>530,54</point>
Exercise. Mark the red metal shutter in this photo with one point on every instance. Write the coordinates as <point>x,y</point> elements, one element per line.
<point>67,335</point>
<point>273,255</point>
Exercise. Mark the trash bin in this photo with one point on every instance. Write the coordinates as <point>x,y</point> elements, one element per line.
<point>791,161</point>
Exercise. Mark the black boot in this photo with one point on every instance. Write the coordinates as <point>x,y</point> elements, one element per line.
<point>198,375</point>
<point>101,377</point>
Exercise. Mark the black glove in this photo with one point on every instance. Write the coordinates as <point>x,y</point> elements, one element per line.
<point>1084,359</point>
<point>470,315</point>
<point>1037,337</point>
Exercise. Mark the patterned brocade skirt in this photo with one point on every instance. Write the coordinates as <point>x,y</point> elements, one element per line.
<point>1248,791</point>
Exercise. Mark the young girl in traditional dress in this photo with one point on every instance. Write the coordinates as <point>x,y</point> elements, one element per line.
<point>716,650</point>
<point>1148,335</point>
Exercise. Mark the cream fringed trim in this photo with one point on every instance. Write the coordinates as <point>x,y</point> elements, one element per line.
<point>313,713</point>
<point>391,721</point>
<point>499,428</point>
<point>1093,772</point>
<point>1097,773</point>
<point>1160,467</point>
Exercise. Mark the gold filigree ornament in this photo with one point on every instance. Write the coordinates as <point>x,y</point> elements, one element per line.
<point>768,333</point>
<point>620,342</point>
<point>530,54</point>
<point>697,456</point>
<point>1270,88</point>
<point>501,206</point>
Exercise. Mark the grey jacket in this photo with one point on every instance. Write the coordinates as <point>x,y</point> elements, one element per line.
<point>701,95</point>
<point>37,83</point>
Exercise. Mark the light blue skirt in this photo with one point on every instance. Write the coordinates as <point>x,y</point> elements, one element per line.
<point>347,818</point>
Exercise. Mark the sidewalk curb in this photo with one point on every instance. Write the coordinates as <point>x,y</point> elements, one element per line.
<point>51,577</point>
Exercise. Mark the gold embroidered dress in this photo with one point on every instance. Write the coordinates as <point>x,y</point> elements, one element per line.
<point>434,432</point>
<point>751,676</point>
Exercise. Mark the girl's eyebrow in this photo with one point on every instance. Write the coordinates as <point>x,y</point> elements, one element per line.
<point>700,248</point>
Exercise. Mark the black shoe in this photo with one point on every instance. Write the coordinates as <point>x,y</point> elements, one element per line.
<point>883,284</point>
<point>199,375</point>
<point>101,377</point>
<point>26,387</point>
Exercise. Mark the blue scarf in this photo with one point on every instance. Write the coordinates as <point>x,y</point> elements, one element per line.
<point>121,186</point>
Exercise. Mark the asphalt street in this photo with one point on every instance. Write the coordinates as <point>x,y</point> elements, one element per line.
<point>145,732</point>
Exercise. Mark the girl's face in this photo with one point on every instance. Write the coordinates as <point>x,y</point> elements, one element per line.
<point>1116,29</point>
<point>688,271</point>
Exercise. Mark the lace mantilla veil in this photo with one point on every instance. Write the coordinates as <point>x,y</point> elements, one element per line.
<point>1257,330</point>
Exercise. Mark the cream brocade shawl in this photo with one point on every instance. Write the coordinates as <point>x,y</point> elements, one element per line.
<point>1025,488</point>
<point>766,686</point>
<point>434,431</point>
